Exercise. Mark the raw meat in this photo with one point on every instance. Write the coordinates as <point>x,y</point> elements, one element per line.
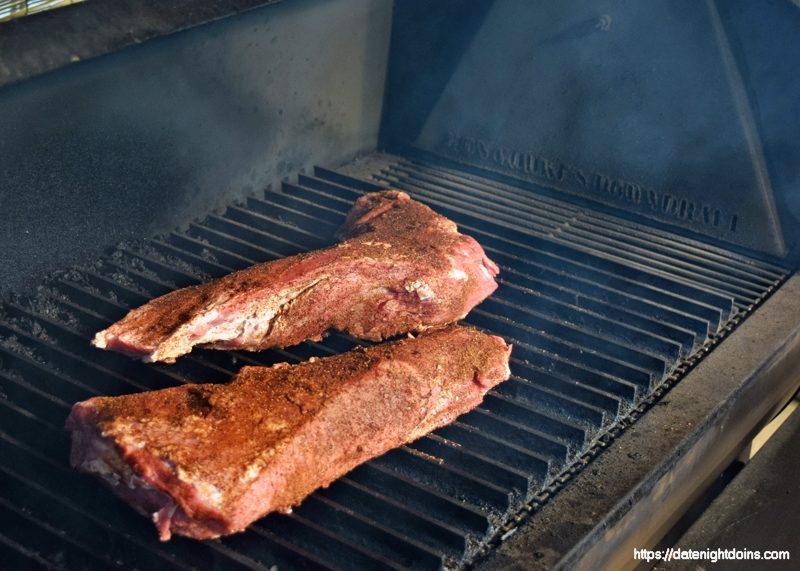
<point>401,268</point>
<point>208,460</point>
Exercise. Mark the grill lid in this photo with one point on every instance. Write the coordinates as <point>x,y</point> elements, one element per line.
<point>601,311</point>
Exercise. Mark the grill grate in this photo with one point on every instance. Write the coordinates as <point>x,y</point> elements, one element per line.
<point>600,310</point>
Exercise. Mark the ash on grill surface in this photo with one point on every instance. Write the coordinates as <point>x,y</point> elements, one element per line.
<point>600,311</point>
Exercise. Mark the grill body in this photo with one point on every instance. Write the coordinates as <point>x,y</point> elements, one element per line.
<point>248,139</point>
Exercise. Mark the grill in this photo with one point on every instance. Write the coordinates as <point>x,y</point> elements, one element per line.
<point>602,311</point>
<point>633,172</point>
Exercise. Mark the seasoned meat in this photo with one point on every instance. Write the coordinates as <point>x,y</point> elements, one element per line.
<point>208,460</point>
<point>401,268</point>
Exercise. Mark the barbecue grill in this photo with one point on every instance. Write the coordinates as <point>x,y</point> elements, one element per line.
<point>632,173</point>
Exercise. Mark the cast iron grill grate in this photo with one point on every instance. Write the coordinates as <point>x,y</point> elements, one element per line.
<point>600,310</point>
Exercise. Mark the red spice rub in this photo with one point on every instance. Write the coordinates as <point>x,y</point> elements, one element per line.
<point>401,268</point>
<point>207,460</point>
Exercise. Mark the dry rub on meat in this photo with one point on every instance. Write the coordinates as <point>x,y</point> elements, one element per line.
<point>208,460</point>
<point>400,268</point>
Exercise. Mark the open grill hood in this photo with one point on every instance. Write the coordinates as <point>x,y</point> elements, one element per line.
<point>609,300</point>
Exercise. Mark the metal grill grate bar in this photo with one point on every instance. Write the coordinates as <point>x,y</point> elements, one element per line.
<point>584,223</point>
<point>39,486</point>
<point>572,231</point>
<point>372,507</point>
<point>18,556</point>
<point>699,252</point>
<point>41,537</point>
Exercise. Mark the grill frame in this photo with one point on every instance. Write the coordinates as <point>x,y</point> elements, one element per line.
<point>573,423</point>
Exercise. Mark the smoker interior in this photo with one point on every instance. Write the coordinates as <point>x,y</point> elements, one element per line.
<point>606,309</point>
<point>597,325</point>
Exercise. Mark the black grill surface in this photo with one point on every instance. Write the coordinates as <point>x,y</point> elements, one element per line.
<point>600,309</point>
